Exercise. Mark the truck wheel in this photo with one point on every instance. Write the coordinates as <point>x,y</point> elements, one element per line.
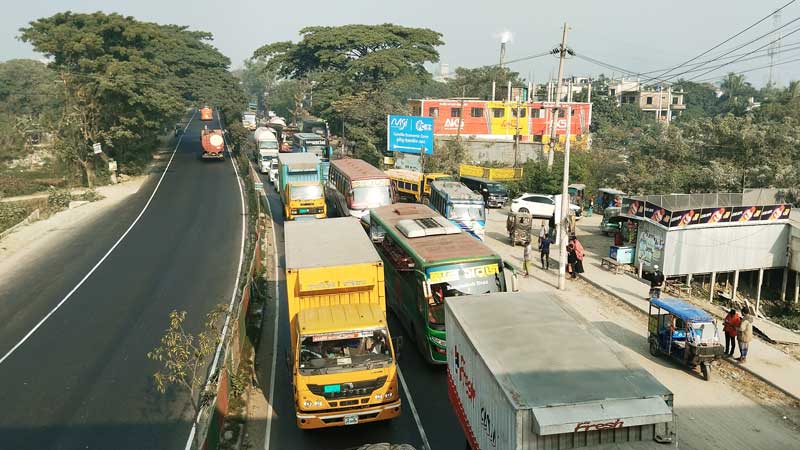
<point>705,368</point>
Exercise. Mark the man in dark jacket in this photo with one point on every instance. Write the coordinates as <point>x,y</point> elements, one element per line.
<point>656,283</point>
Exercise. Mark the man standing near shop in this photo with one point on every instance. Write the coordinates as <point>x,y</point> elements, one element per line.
<point>745,334</point>
<point>731,328</point>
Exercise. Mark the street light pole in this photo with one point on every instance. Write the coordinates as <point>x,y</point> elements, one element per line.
<point>562,223</point>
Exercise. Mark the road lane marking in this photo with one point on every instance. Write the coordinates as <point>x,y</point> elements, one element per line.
<point>217,353</point>
<point>425,443</point>
<point>271,411</point>
<point>108,253</point>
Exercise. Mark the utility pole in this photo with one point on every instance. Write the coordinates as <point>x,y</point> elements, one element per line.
<point>562,224</point>
<point>461,109</point>
<point>553,136</point>
<point>516,138</point>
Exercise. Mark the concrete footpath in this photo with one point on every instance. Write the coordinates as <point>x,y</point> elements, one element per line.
<point>763,360</point>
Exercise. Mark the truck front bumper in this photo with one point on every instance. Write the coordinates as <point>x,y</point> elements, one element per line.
<point>340,418</point>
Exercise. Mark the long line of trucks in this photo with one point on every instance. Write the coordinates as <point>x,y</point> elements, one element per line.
<point>524,370</point>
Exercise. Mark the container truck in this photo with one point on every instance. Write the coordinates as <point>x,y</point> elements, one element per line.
<point>206,113</point>
<point>299,186</point>
<point>342,356</point>
<point>459,205</point>
<point>213,144</point>
<point>527,372</point>
<point>249,120</point>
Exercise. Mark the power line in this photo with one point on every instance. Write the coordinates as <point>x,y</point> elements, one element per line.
<point>735,60</point>
<point>748,43</point>
<point>752,70</point>
<point>526,58</point>
<point>726,40</point>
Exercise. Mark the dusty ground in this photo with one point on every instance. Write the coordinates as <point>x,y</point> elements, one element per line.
<point>731,411</point>
<point>30,242</point>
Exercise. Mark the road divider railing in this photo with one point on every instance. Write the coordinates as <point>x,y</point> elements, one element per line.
<point>221,417</point>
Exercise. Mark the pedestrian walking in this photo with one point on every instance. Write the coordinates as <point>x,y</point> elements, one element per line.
<point>542,232</point>
<point>656,283</point>
<point>526,257</point>
<point>731,328</point>
<point>745,334</point>
<point>544,252</point>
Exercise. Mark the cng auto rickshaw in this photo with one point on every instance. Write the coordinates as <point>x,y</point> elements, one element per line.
<point>612,220</point>
<point>683,332</point>
<point>519,226</point>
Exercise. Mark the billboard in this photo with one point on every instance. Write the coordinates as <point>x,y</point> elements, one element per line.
<point>409,134</point>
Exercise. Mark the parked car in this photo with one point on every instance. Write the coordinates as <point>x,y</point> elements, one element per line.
<point>541,206</point>
<point>273,170</point>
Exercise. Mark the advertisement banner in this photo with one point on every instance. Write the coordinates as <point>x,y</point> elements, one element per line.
<point>746,214</point>
<point>632,207</point>
<point>775,212</point>
<point>655,213</point>
<point>409,134</point>
<point>684,218</point>
<point>715,215</point>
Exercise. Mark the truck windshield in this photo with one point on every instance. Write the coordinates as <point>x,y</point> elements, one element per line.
<point>496,188</point>
<point>458,280</point>
<point>268,145</point>
<point>371,197</point>
<point>318,150</point>
<point>467,212</point>
<point>344,352</point>
<point>307,192</point>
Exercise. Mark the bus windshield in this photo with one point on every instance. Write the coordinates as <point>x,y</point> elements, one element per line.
<point>307,192</point>
<point>344,352</point>
<point>368,197</point>
<point>467,212</point>
<point>458,280</point>
<point>496,188</point>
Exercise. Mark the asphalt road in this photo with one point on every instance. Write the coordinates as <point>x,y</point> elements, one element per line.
<point>427,387</point>
<point>82,380</point>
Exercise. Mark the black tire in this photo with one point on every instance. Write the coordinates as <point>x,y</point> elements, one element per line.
<point>654,348</point>
<point>705,368</point>
<point>524,210</point>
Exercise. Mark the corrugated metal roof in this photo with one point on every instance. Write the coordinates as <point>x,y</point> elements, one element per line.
<point>544,353</point>
<point>431,248</point>
<point>327,243</point>
<point>299,160</point>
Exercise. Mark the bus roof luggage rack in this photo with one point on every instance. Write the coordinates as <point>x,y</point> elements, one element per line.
<point>429,226</point>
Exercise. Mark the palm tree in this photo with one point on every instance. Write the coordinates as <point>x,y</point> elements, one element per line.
<point>733,84</point>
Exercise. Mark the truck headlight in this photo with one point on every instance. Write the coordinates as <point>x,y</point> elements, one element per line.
<point>437,341</point>
<point>388,395</point>
<point>307,403</point>
<point>378,397</point>
<point>318,403</point>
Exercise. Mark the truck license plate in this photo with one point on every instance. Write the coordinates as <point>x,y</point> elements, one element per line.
<point>351,419</point>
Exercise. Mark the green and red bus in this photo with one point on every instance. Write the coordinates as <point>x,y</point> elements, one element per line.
<point>428,259</point>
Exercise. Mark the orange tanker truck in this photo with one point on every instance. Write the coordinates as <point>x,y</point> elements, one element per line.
<point>213,144</point>
<point>206,113</point>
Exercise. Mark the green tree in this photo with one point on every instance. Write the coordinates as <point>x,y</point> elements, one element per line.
<point>477,82</point>
<point>125,80</point>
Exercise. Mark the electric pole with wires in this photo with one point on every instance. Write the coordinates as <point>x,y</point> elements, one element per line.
<point>562,54</point>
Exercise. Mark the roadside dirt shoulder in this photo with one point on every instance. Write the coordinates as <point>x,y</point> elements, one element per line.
<point>33,240</point>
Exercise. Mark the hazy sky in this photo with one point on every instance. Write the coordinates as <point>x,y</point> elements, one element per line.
<point>634,35</point>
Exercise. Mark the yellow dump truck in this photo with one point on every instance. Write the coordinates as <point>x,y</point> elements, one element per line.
<point>343,362</point>
<point>490,173</point>
<point>414,186</point>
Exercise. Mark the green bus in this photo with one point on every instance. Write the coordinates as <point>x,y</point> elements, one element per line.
<point>428,259</point>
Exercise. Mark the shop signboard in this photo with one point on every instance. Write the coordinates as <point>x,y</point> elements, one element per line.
<point>775,212</point>
<point>744,214</point>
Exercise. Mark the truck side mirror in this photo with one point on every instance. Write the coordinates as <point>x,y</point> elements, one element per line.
<point>514,279</point>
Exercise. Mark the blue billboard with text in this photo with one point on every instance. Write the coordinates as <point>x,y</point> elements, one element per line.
<point>410,134</point>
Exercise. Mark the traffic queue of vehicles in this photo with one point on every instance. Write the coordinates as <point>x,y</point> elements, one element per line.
<point>457,300</point>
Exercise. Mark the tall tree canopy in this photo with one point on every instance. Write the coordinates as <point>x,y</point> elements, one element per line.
<point>477,82</point>
<point>124,80</point>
